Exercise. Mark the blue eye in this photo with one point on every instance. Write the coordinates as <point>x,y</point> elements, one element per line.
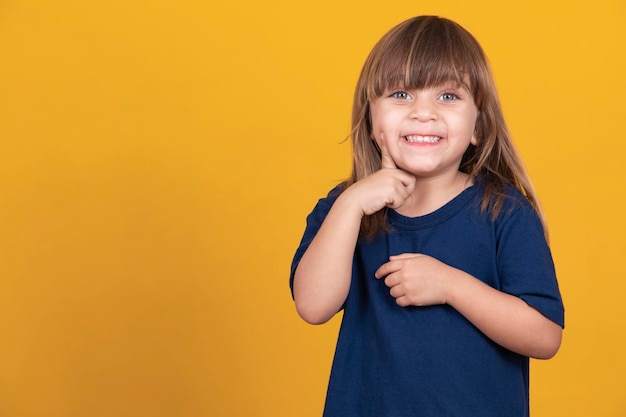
<point>448,96</point>
<point>401,95</point>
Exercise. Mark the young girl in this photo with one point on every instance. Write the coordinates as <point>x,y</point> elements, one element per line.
<point>435,247</point>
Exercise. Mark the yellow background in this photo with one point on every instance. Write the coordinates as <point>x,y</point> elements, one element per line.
<point>158,159</point>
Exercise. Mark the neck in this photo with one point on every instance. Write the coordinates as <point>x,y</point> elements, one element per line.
<point>431,194</point>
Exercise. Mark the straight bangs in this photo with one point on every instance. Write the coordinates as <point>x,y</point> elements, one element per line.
<point>425,53</point>
<point>429,52</point>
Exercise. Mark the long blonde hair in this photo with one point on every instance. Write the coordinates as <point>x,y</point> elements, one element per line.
<point>428,51</point>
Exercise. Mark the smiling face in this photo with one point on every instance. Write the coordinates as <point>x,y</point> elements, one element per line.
<point>421,55</point>
<point>426,131</point>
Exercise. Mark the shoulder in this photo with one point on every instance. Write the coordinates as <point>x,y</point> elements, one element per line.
<point>335,191</point>
<point>513,198</point>
<point>504,203</point>
<point>501,197</point>
<point>518,216</point>
<point>331,197</point>
<point>324,204</point>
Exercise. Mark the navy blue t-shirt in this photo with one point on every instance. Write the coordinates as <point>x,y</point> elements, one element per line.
<point>394,361</point>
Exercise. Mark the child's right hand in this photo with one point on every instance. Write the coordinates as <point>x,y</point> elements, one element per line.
<point>389,187</point>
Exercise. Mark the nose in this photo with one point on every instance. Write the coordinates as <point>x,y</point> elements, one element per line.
<point>423,110</point>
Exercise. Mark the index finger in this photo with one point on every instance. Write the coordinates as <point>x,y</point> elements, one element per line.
<point>386,159</point>
<point>403,256</point>
<point>385,269</point>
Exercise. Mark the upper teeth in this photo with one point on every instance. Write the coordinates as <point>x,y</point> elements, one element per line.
<point>423,139</point>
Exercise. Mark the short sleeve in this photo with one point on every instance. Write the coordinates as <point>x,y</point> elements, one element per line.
<point>525,265</point>
<point>313,223</point>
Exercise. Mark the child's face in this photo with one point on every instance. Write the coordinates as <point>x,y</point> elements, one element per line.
<point>427,131</point>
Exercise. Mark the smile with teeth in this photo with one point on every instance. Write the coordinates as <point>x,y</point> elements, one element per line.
<point>422,139</point>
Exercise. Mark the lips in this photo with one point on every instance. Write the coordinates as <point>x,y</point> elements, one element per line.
<point>422,139</point>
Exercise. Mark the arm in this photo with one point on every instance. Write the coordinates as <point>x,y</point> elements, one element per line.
<point>504,318</point>
<point>322,278</point>
<point>421,280</point>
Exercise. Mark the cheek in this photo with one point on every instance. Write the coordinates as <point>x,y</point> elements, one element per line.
<point>379,119</point>
<point>383,125</point>
<point>472,132</point>
<point>470,128</point>
<point>376,123</point>
<point>377,134</point>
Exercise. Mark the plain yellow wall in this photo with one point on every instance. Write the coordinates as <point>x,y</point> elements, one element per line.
<point>158,160</point>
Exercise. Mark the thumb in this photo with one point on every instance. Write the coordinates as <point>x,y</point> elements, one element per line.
<point>386,159</point>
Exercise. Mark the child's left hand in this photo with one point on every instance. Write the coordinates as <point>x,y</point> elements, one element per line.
<point>415,279</point>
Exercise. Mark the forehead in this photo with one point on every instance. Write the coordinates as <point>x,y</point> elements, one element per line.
<point>419,78</point>
<point>449,84</point>
<point>418,56</point>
